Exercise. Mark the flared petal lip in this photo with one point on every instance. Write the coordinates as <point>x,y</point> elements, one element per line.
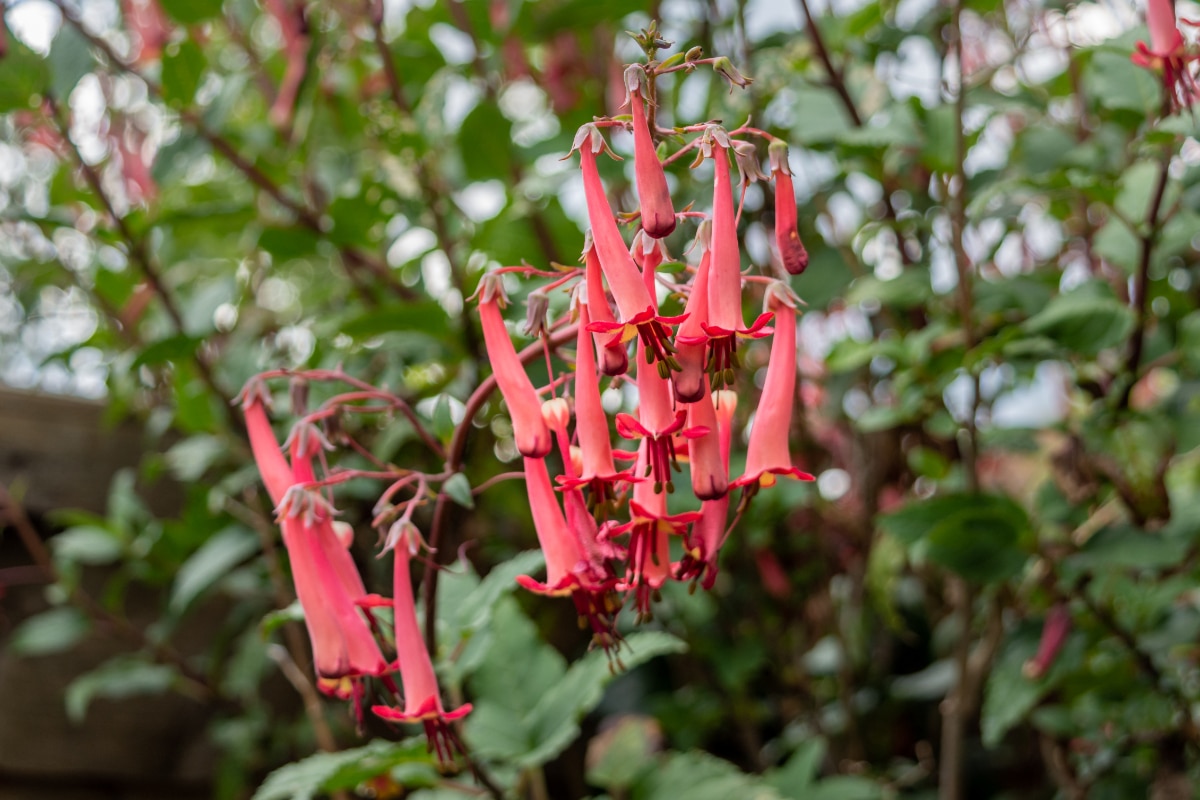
<point>766,477</point>
<point>628,427</point>
<point>569,584</point>
<point>757,330</point>
<point>430,709</point>
<point>566,484</point>
<point>642,515</point>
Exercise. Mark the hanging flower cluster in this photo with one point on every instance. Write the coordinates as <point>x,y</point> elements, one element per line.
<point>607,532</point>
<point>608,514</point>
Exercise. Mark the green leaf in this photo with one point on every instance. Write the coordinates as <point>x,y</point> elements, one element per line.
<point>980,543</point>
<point>189,12</point>
<point>215,558</point>
<point>49,632</point>
<point>1010,695</point>
<point>172,348</point>
<point>1083,321</point>
<point>794,779</point>
<point>87,544</point>
<point>23,75</point>
<point>428,317</point>
<point>485,142</point>
<point>620,754</point>
<point>182,66</point>
<point>190,459</point>
<point>70,59</point>
<point>699,776</point>
<point>123,676</point>
<point>326,772</point>
<point>907,290</point>
<point>554,722</point>
<point>281,616</point>
<point>458,489</point>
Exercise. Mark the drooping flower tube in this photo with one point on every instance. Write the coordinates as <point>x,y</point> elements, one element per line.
<point>568,570</point>
<point>326,581</point>
<point>725,323</point>
<point>657,422</point>
<point>710,471</point>
<point>610,350</point>
<point>649,560</point>
<point>708,533</point>
<point>639,311</point>
<point>529,429</point>
<point>767,454</point>
<point>787,230</point>
<point>422,699</point>
<point>654,198</point>
<point>691,341</point>
<point>1167,55</point>
<point>598,473</point>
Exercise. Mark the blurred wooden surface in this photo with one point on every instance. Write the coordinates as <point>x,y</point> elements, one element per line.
<point>59,452</point>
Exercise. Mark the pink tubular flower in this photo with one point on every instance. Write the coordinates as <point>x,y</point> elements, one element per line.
<point>569,571</point>
<point>725,321</point>
<point>614,360</point>
<point>767,454</point>
<point>639,311</point>
<point>710,472</point>
<point>529,429</point>
<point>708,533</point>
<point>272,466</point>
<point>1167,55</point>
<point>691,341</point>
<point>343,645</point>
<point>422,700</point>
<point>658,215</point>
<point>657,422</point>
<point>649,564</point>
<point>787,230</point>
<point>598,472</point>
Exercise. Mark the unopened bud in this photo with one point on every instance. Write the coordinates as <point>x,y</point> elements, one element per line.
<point>693,54</point>
<point>556,412</point>
<point>537,310</point>
<point>730,73</point>
<point>746,156</point>
<point>344,532</point>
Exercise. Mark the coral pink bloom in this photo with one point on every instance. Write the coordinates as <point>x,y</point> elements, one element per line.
<point>1167,55</point>
<point>710,472</point>
<point>598,472</point>
<point>272,466</point>
<point>145,19</point>
<point>610,350</point>
<point>658,215</point>
<point>569,571</point>
<point>657,421</point>
<point>708,533</point>
<point>649,565</point>
<point>691,341</point>
<point>767,454</point>
<point>639,311</point>
<point>422,700</point>
<point>787,228</point>
<point>725,321</point>
<point>529,429</point>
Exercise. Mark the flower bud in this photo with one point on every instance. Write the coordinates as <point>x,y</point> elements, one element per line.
<point>537,308</point>
<point>787,231</point>
<point>730,73</point>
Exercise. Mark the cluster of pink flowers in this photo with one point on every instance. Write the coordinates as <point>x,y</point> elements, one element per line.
<point>599,548</point>
<point>605,530</point>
